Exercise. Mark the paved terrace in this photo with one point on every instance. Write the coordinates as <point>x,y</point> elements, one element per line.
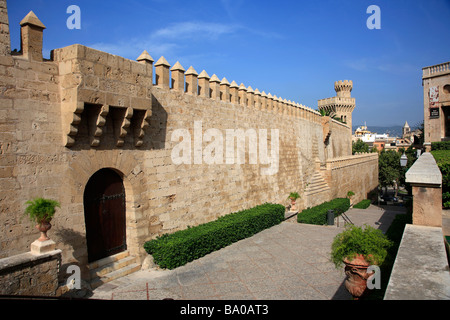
<point>288,261</point>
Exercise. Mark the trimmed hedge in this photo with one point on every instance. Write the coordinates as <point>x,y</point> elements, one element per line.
<point>440,145</point>
<point>442,158</point>
<point>364,204</point>
<point>318,214</point>
<point>176,249</point>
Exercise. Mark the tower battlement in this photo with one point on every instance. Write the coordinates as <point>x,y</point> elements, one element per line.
<point>343,88</point>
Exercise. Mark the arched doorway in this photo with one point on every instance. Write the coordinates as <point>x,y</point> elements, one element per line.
<point>104,213</point>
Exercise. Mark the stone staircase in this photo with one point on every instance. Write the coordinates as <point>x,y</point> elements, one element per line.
<point>112,267</point>
<point>317,190</point>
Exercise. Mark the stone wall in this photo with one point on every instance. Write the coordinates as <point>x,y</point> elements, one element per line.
<point>64,119</point>
<point>357,173</point>
<point>30,275</point>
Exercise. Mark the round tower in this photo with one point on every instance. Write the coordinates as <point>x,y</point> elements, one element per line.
<point>343,104</point>
<point>343,88</point>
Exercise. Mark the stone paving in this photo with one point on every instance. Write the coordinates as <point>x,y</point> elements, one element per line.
<point>289,261</point>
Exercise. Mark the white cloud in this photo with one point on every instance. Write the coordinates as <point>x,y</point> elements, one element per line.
<point>197,30</point>
<point>385,64</point>
<point>166,40</point>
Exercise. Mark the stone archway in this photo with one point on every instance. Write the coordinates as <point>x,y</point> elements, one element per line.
<point>82,166</point>
<point>105,214</point>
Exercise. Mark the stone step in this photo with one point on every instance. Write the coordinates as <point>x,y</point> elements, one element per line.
<point>112,266</point>
<point>116,257</point>
<point>317,184</point>
<point>317,188</point>
<point>95,283</point>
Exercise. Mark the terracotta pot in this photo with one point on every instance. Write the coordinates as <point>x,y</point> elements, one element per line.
<point>43,227</point>
<point>356,271</point>
<point>293,207</point>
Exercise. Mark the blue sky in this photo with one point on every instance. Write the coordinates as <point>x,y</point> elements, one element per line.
<point>293,49</point>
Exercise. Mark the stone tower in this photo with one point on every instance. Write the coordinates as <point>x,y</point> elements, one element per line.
<point>343,104</point>
<point>406,131</point>
<point>5,41</point>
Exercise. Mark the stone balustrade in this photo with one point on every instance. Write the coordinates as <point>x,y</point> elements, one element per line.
<point>438,69</point>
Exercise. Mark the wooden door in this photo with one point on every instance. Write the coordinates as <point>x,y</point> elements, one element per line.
<point>104,212</point>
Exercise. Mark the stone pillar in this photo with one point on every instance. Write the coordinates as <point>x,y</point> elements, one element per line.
<point>250,97</point>
<point>178,77</point>
<point>426,181</point>
<point>269,102</point>
<point>5,40</point>
<point>275,104</point>
<point>234,95</point>
<point>225,90</point>
<point>162,73</point>
<point>242,91</point>
<point>257,99</point>
<point>191,81</point>
<point>214,84</point>
<point>263,101</point>
<point>203,84</point>
<point>32,33</point>
<point>146,58</point>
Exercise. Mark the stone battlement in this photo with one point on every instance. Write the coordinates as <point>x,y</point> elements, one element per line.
<point>202,84</point>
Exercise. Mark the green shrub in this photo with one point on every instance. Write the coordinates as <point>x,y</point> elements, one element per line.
<point>363,204</point>
<point>176,249</point>
<point>318,214</point>
<point>442,158</point>
<point>354,240</point>
<point>41,210</point>
<point>440,145</point>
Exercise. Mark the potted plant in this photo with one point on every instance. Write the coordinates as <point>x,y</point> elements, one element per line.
<point>357,248</point>
<point>293,196</point>
<point>350,194</point>
<point>41,212</point>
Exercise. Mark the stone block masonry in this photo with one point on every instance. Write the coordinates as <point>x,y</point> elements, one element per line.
<point>84,110</point>
<point>28,274</point>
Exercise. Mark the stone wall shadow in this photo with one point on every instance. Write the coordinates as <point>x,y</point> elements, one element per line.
<point>71,237</point>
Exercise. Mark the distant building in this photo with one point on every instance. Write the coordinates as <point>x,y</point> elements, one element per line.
<point>436,102</point>
<point>411,135</point>
<point>362,133</point>
<point>406,131</point>
<point>383,141</point>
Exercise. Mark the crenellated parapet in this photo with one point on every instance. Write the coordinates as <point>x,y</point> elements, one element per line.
<point>102,86</point>
<point>202,85</point>
<point>343,88</point>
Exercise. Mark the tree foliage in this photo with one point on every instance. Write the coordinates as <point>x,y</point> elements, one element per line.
<point>389,168</point>
<point>360,146</point>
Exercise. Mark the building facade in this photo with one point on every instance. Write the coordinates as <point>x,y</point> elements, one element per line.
<point>436,101</point>
<point>130,158</point>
